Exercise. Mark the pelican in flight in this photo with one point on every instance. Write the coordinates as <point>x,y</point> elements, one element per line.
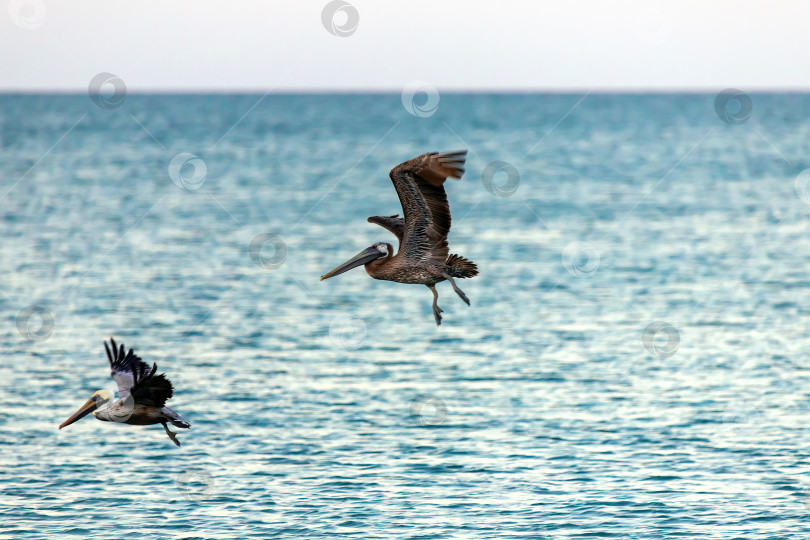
<point>423,256</point>
<point>142,395</point>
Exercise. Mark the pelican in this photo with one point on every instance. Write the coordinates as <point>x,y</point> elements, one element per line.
<point>142,395</point>
<point>423,256</point>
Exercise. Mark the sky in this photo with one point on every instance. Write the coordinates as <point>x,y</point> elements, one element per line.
<point>383,45</point>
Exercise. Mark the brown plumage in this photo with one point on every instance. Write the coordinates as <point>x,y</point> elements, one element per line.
<point>424,256</point>
<point>142,395</point>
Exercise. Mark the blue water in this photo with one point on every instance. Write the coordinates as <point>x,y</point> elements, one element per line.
<point>337,408</point>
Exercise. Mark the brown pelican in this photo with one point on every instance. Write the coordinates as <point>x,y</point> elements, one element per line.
<point>142,395</point>
<point>423,255</point>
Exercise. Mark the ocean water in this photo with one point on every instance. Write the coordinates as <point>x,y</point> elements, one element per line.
<point>634,364</point>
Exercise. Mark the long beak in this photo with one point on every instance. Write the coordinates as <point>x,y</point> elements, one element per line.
<point>86,409</point>
<point>365,256</point>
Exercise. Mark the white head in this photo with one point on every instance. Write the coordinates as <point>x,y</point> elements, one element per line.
<point>97,401</point>
<point>382,247</point>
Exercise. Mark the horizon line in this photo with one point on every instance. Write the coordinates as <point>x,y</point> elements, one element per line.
<point>396,91</point>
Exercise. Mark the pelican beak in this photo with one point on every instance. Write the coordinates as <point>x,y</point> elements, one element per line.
<point>364,257</point>
<point>92,404</point>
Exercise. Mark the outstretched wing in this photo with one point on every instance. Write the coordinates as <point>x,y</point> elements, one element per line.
<point>152,390</point>
<point>420,186</point>
<point>124,367</point>
<point>134,376</point>
<point>394,223</point>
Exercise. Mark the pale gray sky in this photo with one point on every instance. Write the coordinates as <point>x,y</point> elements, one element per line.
<point>258,45</point>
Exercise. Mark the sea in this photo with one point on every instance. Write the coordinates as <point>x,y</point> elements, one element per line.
<point>634,364</point>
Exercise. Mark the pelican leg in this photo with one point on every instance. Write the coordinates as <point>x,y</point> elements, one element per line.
<point>436,309</point>
<point>459,292</point>
<point>171,434</point>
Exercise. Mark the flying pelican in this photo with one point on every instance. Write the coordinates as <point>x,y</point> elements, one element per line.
<point>142,395</point>
<point>423,256</point>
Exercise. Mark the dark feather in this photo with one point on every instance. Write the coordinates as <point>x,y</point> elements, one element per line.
<point>461,267</point>
<point>394,223</point>
<point>136,377</point>
<point>129,362</point>
<point>152,390</point>
<point>420,186</point>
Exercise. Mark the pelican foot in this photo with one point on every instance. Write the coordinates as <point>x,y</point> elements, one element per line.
<point>437,311</point>
<point>172,435</point>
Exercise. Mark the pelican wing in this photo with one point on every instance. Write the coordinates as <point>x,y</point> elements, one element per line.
<point>420,186</point>
<point>394,223</point>
<point>152,390</point>
<point>134,376</point>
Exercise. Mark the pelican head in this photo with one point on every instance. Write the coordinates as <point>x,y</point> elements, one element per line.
<point>371,253</point>
<point>96,401</point>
